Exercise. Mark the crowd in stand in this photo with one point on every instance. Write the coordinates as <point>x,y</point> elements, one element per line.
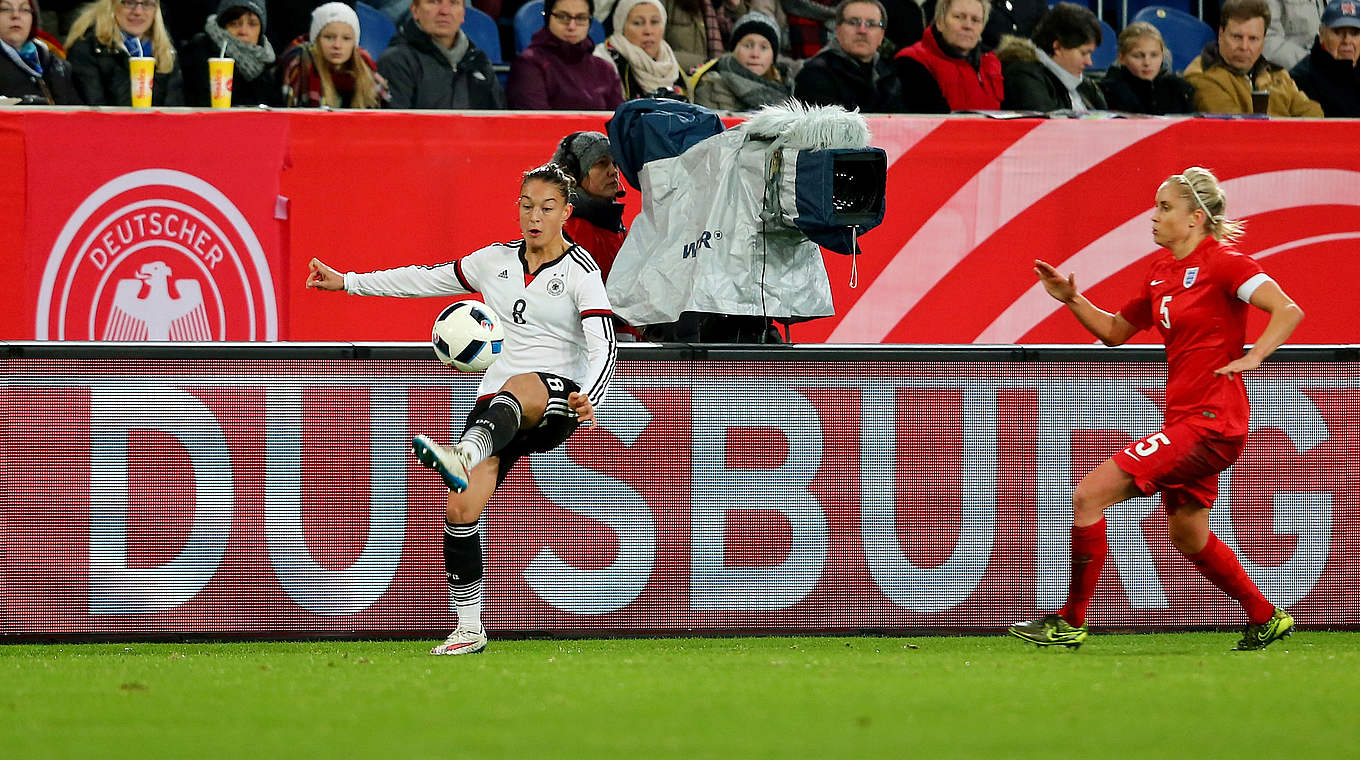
<point>1279,57</point>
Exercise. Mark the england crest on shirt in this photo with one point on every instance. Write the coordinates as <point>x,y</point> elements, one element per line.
<point>1190,276</point>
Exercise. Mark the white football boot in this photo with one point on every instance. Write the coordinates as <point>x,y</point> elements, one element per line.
<point>462,641</point>
<point>451,462</point>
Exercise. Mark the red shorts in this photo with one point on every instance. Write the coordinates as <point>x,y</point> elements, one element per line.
<point>1182,461</point>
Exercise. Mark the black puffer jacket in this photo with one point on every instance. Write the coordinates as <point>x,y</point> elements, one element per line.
<point>101,75</point>
<point>419,75</point>
<point>54,87</point>
<point>1167,94</point>
<point>262,90</point>
<point>1333,83</point>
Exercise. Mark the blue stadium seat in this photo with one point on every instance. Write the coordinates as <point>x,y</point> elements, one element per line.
<point>1185,35</point>
<point>1108,50</point>
<point>1132,8</point>
<point>481,29</point>
<point>375,29</point>
<point>529,19</point>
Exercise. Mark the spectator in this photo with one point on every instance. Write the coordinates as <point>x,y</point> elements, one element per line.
<point>849,72</point>
<point>289,20</point>
<point>558,70</point>
<point>1138,82</point>
<point>1329,73</point>
<point>1046,72</point>
<point>328,68</point>
<point>431,63</point>
<point>28,69</point>
<point>638,49</point>
<point>1014,17</point>
<point>947,70</point>
<point>1228,70</point>
<point>105,35</point>
<point>750,76</point>
<point>1289,35</point>
<point>236,29</point>
<point>596,221</point>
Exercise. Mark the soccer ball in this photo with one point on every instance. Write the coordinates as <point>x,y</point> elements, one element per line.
<point>467,336</point>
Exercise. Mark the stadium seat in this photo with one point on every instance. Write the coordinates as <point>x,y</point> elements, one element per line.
<point>375,29</point>
<point>1107,51</point>
<point>1185,35</point>
<point>481,29</point>
<point>1131,8</point>
<point>529,19</point>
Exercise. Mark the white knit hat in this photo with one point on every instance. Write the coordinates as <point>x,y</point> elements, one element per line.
<point>622,8</point>
<point>330,13</point>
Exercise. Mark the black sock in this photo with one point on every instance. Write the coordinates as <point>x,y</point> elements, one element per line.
<point>495,427</point>
<point>463,567</point>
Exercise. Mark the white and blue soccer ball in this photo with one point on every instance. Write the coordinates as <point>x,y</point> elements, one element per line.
<point>468,336</point>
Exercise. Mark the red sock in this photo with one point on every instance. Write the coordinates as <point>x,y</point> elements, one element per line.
<point>1218,563</point>
<point>1088,559</point>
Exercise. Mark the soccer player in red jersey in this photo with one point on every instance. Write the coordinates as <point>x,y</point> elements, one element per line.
<point>1196,294</point>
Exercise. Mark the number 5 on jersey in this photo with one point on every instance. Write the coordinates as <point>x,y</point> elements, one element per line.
<point>1149,445</point>
<point>1166,313</point>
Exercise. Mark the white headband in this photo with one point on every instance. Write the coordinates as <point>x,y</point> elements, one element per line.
<point>1198,200</point>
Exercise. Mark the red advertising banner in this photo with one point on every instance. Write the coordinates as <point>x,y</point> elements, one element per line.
<point>971,203</point>
<point>253,496</point>
<point>172,234</point>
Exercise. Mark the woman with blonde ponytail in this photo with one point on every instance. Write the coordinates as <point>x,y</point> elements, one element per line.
<point>1195,294</point>
<point>105,35</point>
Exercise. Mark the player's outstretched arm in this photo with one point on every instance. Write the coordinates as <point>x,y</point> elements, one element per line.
<point>585,411</point>
<point>1111,329</point>
<point>1285,315</point>
<point>322,277</point>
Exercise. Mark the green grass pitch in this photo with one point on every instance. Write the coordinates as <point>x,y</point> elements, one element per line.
<point>1181,695</point>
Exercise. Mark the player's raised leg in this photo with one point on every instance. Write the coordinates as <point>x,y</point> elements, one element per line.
<point>1104,486</point>
<point>519,405</point>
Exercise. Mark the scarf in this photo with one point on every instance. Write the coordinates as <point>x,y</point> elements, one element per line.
<point>251,60</point>
<point>1068,79</point>
<point>712,30</point>
<point>26,57</point>
<point>135,47</point>
<point>455,54</point>
<point>651,74</point>
<point>751,89</point>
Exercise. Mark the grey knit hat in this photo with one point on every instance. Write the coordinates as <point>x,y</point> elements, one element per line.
<point>254,6</point>
<point>579,151</point>
<point>755,22</point>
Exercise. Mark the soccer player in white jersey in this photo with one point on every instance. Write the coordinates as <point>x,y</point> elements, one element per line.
<point>558,359</point>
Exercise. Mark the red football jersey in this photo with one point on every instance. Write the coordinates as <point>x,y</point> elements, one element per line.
<point>1199,304</point>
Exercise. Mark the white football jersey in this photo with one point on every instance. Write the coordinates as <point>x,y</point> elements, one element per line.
<point>556,319</point>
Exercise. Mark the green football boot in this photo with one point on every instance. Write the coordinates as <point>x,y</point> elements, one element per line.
<point>1050,631</point>
<point>1259,635</point>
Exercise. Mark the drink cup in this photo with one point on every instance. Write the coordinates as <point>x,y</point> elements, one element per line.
<point>142,71</point>
<point>219,81</point>
<point>1260,101</point>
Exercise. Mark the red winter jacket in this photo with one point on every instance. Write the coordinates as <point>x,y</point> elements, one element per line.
<point>962,86</point>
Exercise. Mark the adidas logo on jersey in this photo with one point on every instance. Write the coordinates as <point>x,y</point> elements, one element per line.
<point>504,275</point>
